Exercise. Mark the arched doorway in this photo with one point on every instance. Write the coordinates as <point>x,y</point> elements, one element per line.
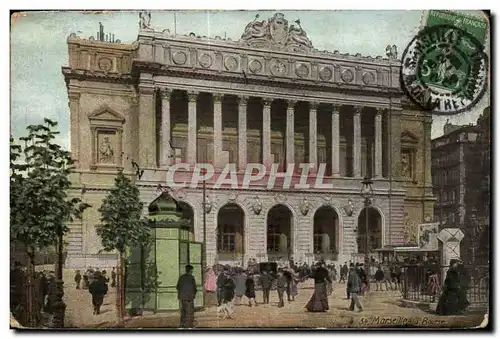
<point>374,230</point>
<point>279,233</point>
<point>325,234</point>
<point>188,216</point>
<point>230,234</point>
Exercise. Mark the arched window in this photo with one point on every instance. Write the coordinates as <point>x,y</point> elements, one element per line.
<point>227,238</point>
<point>273,239</point>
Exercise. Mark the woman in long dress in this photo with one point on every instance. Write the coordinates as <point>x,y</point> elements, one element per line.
<point>453,299</point>
<point>319,299</point>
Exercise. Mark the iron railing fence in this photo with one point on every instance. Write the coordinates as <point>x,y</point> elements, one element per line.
<point>416,284</point>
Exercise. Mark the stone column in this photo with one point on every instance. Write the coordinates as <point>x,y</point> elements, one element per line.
<point>242,132</point>
<point>378,143</point>
<point>147,127</point>
<point>217,98</point>
<point>451,238</point>
<point>166,149</point>
<point>394,143</point>
<point>74,109</point>
<point>192,135</point>
<point>356,149</point>
<point>266,132</point>
<point>335,141</point>
<point>313,135</point>
<point>290,132</point>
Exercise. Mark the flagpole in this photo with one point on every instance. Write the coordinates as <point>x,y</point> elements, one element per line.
<point>175,23</point>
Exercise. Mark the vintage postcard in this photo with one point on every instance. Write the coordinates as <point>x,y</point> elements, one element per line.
<point>250,169</point>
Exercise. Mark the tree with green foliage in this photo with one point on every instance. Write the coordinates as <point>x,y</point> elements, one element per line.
<point>40,206</point>
<point>122,227</point>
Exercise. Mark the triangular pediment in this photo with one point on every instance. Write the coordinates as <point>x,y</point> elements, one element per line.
<point>107,114</point>
<point>408,138</point>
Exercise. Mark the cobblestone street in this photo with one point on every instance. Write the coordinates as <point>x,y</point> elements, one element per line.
<point>381,309</point>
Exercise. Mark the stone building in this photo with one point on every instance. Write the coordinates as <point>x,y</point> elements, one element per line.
<point>269,97</point>
<point>460,175</point>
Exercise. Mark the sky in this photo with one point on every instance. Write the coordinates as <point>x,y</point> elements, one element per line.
<point>39,49</point>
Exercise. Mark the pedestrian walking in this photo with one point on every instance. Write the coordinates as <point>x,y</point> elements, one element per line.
<point>186,293</point>
<point>319,299</point>
<point>78,279</point>
<point>354,288</point>
<point>250,289</point>
<point>432,285</point>
<point>113,277</point>
<point>347,290</point>
<point>240,282</point>
<point>343,273</point>
<point>266,283</point>
<point>453,300</point>
<point>379,278</point>
<point>221,278</point>
<point>98,289</point>
<point>288,289</point>
<point>86,282</point>
<point>228,296</point>
<point>281,287</point>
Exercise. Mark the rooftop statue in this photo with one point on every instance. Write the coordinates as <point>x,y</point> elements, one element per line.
<point>276,34</point>
<point>145,20</point>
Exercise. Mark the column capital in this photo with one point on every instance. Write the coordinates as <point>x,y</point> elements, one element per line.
<point>192,96</point>
<point>267,101</point>
<point>217,97</point>
<point>313,105</point>
<point>336,108</point>
<point>291,103</point>
<point>146,90</point>
<point>72,95</point>
<point>242,100</point>
<point>357,110</point>
<point>380,111</point>
<point>166,93</point>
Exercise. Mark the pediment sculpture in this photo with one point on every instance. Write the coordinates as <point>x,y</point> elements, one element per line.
<point>275,33</point>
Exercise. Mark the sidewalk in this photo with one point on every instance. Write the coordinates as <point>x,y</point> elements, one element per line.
<point>381,309</point>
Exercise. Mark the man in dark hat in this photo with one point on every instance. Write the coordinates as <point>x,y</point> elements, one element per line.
<point>186,293</point>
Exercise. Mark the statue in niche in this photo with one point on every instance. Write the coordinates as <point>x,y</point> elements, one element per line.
<point>297,35</point>
<point>145,20</point>
<point>106,151</point>
<point>405,165</point>
<point>255,29</point>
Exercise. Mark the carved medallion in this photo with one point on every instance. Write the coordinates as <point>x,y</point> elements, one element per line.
<point>302,70</point>
<point>347,75</point>
<point>368,78</point>
<point>280,197</point>
<point>304,206</point>
<point>278,68</point>
<point>205,60</point>
<point>232,196</point>
<point>105,64</point>
<point>325,73</point>
<point>231,63</point>
<point>256,205</point>
<point>179,58</point>
<point>255,66</point>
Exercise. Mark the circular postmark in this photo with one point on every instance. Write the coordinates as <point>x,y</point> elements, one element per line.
<point>444,70</point>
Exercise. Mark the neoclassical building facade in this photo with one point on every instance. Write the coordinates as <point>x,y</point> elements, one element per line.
<point>268,98</point>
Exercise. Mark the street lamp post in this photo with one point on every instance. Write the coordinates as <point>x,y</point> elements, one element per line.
<point>367,194</point>
<point>205,222</point>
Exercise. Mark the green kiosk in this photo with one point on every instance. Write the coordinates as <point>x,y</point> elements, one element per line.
<point>151,272</point>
